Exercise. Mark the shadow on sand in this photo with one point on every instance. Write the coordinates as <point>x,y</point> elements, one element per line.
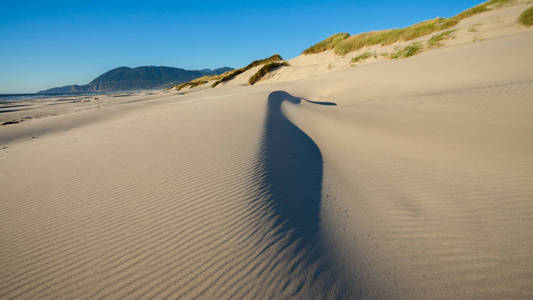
<point>293,171</point>
<point>292,165</point>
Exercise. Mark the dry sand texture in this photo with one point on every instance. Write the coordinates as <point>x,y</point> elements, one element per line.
<point>399,179</point>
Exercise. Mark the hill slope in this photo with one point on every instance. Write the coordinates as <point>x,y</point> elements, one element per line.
<point>147,77</point>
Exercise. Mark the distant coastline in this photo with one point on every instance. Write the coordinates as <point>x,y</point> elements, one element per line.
<point>30,96</point>
<point>132,79</point>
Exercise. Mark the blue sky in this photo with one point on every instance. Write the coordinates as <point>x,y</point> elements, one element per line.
<point>53,43</point>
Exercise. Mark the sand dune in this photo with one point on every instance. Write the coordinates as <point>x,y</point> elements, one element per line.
<point>97,217</point>
<point>397,179</point>
<point>428,187</point>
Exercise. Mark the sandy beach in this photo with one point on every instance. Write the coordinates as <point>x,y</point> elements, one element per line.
<point>399,179</point>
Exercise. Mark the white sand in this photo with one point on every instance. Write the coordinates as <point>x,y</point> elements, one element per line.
<point>417,183</point>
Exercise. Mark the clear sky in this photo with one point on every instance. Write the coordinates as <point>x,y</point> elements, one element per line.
<point>53,43</point>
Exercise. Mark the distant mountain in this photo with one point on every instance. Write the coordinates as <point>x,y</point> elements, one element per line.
<point>140,78</point>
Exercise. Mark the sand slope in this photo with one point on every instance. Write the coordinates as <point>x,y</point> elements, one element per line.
<point>397,179</point>
<point>428,179</point>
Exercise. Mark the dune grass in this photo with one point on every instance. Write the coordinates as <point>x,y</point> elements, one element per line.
<point>326,44</point>
<point>343,44</point>
<point>267,68</point>
<point>197,82</point>
<point>226,76</point>
<point>362,57</point>
<point>233,73</point>
<point>526,17</point>
<point>436,40</point>
<point>388,37</point>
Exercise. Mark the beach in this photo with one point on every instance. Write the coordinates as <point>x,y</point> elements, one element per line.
<point>400,179</point>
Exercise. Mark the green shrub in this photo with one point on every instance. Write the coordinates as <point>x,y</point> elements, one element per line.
<point>267,68</point>
<point>526,17</point>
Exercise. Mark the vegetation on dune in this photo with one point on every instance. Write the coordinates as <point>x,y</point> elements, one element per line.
<point>526,17</point>
<point>226,76</point>
<point>326,44</point>
<point>255,63</point>
<point>233,73</point>
<point>362,57</point>
<point>197,82</point>
<point>388,37</point>
<point>407,51</point>
<point>342,43</point>
<point>436,40</point>
<point>498,3</point>
<point>267,68</point>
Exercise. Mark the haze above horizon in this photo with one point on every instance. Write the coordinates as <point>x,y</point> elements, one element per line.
<point>55,43</point>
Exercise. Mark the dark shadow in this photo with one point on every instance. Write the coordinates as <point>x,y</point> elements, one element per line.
<point>293,172</point>
<point>11,122</point>
<point>292,165</point>
<point>321,102</point>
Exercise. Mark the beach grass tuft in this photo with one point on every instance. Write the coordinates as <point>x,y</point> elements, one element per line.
<point>526,17</point>
<point>362,57</point>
